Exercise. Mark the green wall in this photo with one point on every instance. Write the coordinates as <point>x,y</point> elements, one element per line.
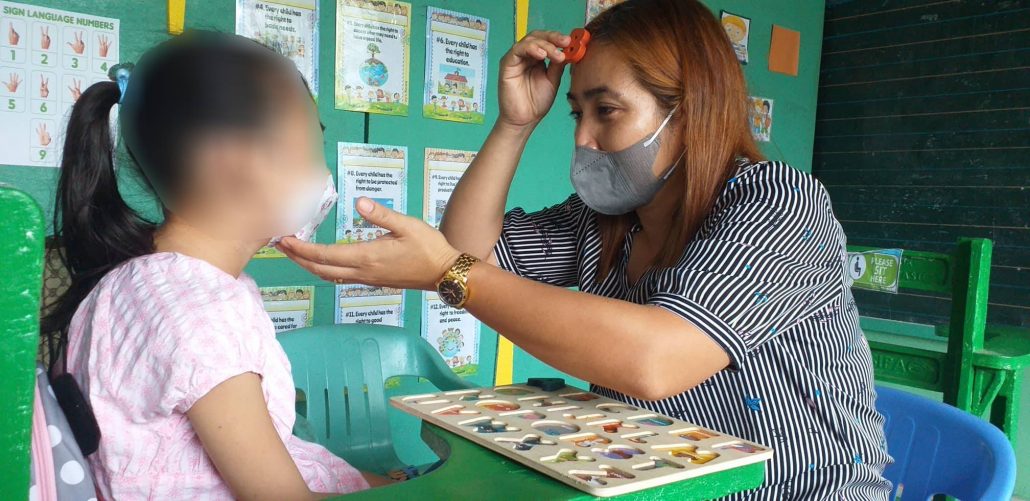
<point>542,178</point>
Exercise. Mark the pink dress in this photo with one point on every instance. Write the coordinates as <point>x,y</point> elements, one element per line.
<point>160,331</point>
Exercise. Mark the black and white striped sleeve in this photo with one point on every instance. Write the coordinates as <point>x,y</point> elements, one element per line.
<point>543,245</point>
<point>770,255</point>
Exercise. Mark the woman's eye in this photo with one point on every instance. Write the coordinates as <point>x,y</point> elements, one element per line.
<point>576,115</point>
<point>605,110</point>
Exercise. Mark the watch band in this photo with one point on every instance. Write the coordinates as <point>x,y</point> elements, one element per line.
<point>463,265</point>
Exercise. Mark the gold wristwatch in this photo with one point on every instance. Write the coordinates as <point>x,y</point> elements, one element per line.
<point>453,288</point>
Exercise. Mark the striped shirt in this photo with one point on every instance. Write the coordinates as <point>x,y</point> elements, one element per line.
<point>765,278</point>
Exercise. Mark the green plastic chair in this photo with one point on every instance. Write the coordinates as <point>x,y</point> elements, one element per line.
<point>340,373</point>
<point>21,248</point>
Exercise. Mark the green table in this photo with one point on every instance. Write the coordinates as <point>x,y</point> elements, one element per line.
<point>472,472</point>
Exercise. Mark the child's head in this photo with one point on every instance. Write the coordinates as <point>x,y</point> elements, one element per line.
<point>224,132</point>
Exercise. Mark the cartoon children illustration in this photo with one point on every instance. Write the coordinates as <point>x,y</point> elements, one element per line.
<point>380,95</point>
<point>396,97</point>
<point>737,30</point>
<point>371,96</point>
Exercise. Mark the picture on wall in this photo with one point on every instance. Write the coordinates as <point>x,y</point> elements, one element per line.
<point>456,66</point>
<point>738,29</point>
<point>373,43</point>
<point>289,307</point>
<point>375,171</point>
<point>48,57</point>
<point>365,304</point>
<point>760,110</point>
<point>595,7</point>
<point>443,170</point>
<point>290,28</point>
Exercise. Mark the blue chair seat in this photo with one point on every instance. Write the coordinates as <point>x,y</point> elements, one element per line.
<point>939,449</point>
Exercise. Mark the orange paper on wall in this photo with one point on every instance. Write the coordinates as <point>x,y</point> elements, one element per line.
<point>783,50</point>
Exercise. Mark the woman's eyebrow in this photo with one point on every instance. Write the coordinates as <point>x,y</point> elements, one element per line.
<point>594,92</point>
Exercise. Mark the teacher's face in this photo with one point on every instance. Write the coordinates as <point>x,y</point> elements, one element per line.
<point>613,111</point>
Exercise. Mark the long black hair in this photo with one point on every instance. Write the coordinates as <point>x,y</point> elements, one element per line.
<point>193,84</point>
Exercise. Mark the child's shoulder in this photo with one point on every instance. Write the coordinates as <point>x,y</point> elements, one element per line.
<point>167,280</point>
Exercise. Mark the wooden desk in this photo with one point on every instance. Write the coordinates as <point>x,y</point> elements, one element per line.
<point>472,472</point>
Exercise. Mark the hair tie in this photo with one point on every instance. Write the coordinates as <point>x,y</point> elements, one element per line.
<point>119,74</point>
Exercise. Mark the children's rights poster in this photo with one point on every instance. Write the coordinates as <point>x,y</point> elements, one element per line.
<point>444,169</point>
<point>373,40</point>
<point>456,66</point>
<point>289,27</point>
<point>375,171</point>
<point>364,304</point>
<point>290,307</point>
<point>48,57</point>
<point>453,332</point>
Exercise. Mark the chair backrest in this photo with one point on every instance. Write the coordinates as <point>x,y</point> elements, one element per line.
<point>21,280</point>
<point>965,277</point>
<point>939,449</point>
<point>340,372</point>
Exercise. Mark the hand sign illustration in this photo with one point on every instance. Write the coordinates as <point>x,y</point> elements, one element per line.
<point>76,89</point>
<point>44,135</point>
<point>78,46</point>
<point>44,87</point>
<point>13,82</point>
<point>44,38</point>
<point>12,36</point>
<point>105,45</point>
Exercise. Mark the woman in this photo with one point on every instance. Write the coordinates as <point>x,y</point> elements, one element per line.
<point>711,284</point>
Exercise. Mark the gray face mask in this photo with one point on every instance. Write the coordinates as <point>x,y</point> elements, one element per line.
<point>619,182</point>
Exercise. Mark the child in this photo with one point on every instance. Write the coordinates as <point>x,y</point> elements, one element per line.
<point>165,334</point>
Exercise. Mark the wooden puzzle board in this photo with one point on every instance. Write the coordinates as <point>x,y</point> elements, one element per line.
<point>595,444</point>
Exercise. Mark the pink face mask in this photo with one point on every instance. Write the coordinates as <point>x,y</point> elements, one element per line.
<point>306,211</point>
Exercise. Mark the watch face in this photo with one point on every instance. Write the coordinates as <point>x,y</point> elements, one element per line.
<point>451,292</point>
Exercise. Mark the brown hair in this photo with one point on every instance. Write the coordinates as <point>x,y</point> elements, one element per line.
<point>680,54</point>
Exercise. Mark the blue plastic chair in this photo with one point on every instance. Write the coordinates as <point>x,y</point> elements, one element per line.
<point>939,449</point>
<point>340,371</point>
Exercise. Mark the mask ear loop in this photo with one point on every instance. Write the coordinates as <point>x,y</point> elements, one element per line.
<point>655,136</point>
<point>662,126</point>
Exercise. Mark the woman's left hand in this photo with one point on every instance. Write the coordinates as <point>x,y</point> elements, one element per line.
<point>413,255</point>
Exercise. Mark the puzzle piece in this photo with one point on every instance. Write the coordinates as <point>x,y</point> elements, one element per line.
<point>567,456</point>
<point>615,408</point>
<point>469,395</point>
<point>527,415</point>
<point>555,428</point>
<point>542,401</point>
<point>695,434</point>
<point>454,410</point>
<point>638,438</point>
<point>689,452</point>
<point>580,397</point>
<point>526,443</point>
<point>488,426</point>
<point>618,452</point>
<point>600,478</point>
<point>590,440</point>
<point>653,420</point>
<point>613,425</point>
<point>657,463</point>
<point>498,405</point>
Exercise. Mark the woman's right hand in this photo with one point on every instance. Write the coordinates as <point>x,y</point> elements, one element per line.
<point>528,84</point>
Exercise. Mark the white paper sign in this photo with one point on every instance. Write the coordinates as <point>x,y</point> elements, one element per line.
<point>363,304</point>
<point>375,171</point>
<point>454,333</point>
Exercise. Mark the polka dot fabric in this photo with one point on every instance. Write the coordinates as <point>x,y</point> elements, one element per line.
<point>156,335</point>
<point>62,474</point>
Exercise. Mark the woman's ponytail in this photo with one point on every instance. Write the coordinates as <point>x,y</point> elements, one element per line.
<point>94,228</point>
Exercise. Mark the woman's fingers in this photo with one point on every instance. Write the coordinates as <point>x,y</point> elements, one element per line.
<point>329,262</point>
<point>383,217</point>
